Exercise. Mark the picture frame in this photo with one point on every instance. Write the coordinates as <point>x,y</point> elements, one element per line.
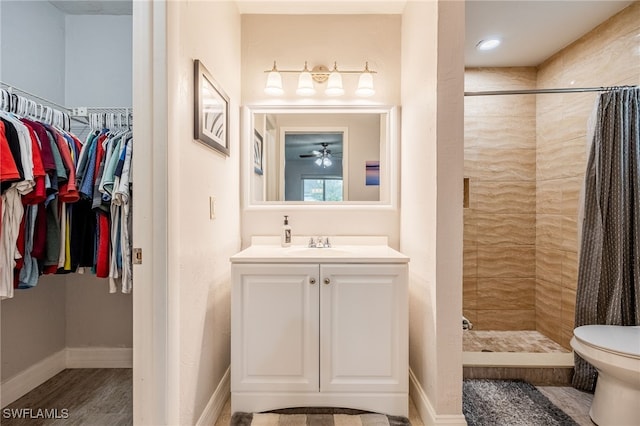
<point>211,110</point>
<point>372,173</point>
<point>258,149</point>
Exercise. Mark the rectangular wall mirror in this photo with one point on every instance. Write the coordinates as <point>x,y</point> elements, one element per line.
<point>320,155</point>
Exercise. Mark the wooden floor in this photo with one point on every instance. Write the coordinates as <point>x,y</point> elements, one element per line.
<point>572,401</point>
<point>103,397</point>
<point>82,396</point>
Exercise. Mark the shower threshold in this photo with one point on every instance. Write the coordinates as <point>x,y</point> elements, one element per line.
<point>526,355</point>
<point>518,359</point>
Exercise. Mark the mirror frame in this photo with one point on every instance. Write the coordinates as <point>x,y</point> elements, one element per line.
<point>392,151</point>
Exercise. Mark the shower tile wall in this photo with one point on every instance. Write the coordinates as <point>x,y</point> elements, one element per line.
<point>525,157</point>
<point>500,222</point>
<point>608,55</point>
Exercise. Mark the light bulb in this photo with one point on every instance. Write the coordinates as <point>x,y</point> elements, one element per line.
<point>334,84</point>
<point>274,82</point>
<point>318,162</point>
<point>488,44</point>
<point>365,85</point>
<point>305,84</point>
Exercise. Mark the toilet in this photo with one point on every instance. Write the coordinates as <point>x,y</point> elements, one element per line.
<point>615,352</point>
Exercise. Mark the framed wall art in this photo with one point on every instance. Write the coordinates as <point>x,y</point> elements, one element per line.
<point>211,110</point>
<point>372,173</point>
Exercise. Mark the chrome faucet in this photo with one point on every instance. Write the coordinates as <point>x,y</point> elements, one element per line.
<point>319,242</point>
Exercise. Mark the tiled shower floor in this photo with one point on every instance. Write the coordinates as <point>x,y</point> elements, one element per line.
<point>508,341</point>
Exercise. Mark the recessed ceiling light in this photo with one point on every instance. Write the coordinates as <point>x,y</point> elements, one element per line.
<point>488,44</point>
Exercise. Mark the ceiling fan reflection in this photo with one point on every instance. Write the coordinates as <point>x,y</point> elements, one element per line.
<point>323,157</point>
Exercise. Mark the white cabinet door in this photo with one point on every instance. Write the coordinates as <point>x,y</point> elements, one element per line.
<point>363,328</point>
<point>274,335</point>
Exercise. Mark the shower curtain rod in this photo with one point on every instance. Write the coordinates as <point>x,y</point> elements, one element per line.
<point>543,91</point>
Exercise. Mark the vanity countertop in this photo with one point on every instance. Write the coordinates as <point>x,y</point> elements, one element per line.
<point>266,251</point>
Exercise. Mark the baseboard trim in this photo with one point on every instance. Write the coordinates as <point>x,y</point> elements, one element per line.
<point>29,379</point>
<point>425,409</point>
<point>215,405</point>
<point>32,377</point>
<point>99,358</point>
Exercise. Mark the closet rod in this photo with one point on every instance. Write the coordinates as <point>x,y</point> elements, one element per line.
<point>544,91</point>
<point>40,100</point>
<point>18,91</point>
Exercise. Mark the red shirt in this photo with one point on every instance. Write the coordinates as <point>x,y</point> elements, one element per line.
<point>38,195</point>
<point>8,169</point>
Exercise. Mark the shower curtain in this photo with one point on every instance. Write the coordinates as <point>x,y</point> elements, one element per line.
<point>609,268</point>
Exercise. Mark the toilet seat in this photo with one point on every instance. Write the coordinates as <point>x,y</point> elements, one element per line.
<point>619,340</point>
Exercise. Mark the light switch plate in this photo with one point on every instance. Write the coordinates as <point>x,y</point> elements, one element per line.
<point>212,208</point>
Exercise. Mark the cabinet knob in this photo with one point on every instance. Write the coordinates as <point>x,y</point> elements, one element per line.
<point>312,280</point>
<point>327,281</point>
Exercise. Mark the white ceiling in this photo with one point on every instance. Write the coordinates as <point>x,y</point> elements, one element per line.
<point>531,30</point>
<point>92,7</point>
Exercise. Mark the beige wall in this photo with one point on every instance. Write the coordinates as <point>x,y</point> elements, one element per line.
<point>198,247</point>
<point>499,230</point>
<point>94,317</point>
<point>431,192</point>
<point>608,55</point>
<point>33,325</point>
<point>321,39</point>
<point>349,40</point>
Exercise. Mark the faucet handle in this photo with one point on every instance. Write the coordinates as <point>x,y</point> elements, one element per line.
<point>327,243</point>
<point>312,242</point>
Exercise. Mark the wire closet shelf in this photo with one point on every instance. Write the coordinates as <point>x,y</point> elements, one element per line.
<point>79,120</point>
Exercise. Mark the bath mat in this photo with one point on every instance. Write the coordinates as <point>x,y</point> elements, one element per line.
<point>317,417</point>
<point>509,402</point>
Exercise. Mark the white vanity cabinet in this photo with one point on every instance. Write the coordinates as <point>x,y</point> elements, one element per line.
<point>275,328</point>
<point>319,334</point>
<point>363,328</point>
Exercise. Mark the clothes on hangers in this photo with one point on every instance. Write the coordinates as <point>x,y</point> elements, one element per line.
<point>65,205</point>
<point>103,179</point>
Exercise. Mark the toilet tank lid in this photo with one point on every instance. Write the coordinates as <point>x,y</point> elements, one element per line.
<point>617,338</point>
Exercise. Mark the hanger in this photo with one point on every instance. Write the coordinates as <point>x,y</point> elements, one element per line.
<point>48,115</point>
<point>5,102</point>
<point>41,115</point>
<point>23,106</point>
<point>57,119</point>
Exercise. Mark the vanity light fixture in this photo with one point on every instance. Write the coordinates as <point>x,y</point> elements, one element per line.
<point>320,74</point>
<point>334,85</point>
<point>274,82</point>
<point>305,83</point>
<point>365,83</point>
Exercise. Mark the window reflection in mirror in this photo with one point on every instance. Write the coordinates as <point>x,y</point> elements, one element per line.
<point>321,157</point>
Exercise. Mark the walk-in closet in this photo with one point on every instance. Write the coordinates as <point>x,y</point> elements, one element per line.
<point>67,307</point>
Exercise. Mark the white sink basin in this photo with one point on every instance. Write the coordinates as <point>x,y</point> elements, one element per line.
<point>316,252</point>
<point>347,250</point>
